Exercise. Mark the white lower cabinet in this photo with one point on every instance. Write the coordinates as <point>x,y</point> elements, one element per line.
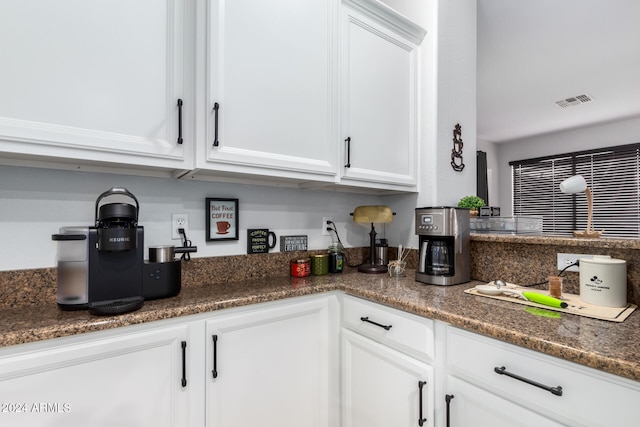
<point>276,366</point>
<point>288,363</point>
<point>479,381</point>
<point>386,379</point>
<point>500,384</point>
<point>272,367</point>
<point>106,379</point>
<point>382,387</point>
<point>472,406</point>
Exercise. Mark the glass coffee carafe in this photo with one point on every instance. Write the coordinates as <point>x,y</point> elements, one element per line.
<point>439,260</point>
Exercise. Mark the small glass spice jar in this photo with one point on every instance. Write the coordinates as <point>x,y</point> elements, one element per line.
<point>301,267</point>
<point>555,286</point>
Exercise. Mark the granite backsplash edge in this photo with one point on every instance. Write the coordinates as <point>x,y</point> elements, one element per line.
<point>38,286</point>
<point>527,260</point>
<point>516,259</point>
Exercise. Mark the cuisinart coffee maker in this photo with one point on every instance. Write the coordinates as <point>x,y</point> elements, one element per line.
<point>444,257</point>
<point>100,268</point>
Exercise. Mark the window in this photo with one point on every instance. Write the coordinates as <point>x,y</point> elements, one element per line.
<point>612,174</point>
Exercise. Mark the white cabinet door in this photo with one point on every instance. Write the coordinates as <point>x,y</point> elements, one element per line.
<point>379,103</point>
<point>271,76</point>
<point>270,367</point>
<point>473,406</point>
<point>382,387</point>
<point>93,80</point>
<point>570,394</point>
<point>124,380</point>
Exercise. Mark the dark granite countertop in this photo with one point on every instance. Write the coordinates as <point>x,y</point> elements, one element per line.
<point>607,346</point>
<point>533,239</point>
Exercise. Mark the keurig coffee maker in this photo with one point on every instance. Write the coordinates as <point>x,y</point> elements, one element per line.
<point>116,248</point>
<point>444,240</point>
<point>100,267</point>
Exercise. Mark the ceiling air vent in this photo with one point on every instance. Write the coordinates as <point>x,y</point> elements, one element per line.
<point>575,100</point>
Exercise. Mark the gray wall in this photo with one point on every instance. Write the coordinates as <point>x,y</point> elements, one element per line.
<point>596,136</point>
<point>35,202</point>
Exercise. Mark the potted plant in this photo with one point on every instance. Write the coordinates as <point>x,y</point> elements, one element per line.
<point>473,203</point>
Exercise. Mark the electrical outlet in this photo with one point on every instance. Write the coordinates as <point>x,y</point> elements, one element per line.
<point>179,220</point>
<point>325,232</point>
<point>567,259</point>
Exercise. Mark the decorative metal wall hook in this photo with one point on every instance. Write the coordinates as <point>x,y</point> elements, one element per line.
<point>456,153</point>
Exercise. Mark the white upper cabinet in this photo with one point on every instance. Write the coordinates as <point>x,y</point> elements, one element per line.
<point>270,89</point>
<point>94,81</point>
<point>379,95</point>
<point>314,93</point>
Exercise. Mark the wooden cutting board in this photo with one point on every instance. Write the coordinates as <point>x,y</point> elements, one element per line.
<point>576,305</point>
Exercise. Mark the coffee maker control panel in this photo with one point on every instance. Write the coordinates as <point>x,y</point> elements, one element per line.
<point>431,223</point>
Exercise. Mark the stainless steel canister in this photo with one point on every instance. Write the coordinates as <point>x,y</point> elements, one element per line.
<point>161,253</point>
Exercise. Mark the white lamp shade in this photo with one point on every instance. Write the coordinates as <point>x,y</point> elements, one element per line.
<point>575,184</point>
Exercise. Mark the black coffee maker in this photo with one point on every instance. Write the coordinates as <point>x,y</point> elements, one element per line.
<point>115,252</point>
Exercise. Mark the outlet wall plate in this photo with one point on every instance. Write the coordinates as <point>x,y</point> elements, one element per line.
<point>326,232</point>
<point>567,259</point>
<point>179,220</point>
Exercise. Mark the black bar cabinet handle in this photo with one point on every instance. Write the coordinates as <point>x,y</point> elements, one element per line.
<point>179,121</point>
<point>421,420</point>
<point>216,107</point>
<point>214,371</point>
<point>348,141</point>
<point>447,398</point>
<point>184,363</point>
<point>553,390</point>
<point>366,319</point>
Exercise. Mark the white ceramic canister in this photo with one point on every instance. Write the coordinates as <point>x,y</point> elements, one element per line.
<point>603,281</point>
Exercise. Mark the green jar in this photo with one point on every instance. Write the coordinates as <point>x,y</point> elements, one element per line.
<point>319,264</point>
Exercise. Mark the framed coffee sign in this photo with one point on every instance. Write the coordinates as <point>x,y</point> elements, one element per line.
<point>222,219</point>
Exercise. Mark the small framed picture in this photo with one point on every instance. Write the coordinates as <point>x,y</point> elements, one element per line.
<point>222,219</point>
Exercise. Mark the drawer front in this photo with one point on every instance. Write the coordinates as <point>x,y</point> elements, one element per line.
<point>404,331</point>
<point>589,397</point>
<point>472,406</point>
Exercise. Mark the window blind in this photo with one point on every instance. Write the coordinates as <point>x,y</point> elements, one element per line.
<point>612,174</point>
